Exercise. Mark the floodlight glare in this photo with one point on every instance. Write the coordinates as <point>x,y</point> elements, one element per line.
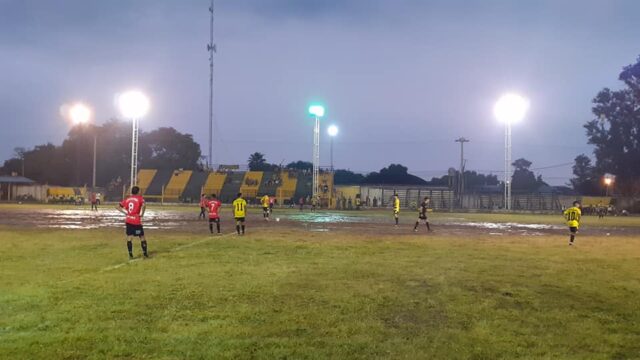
<point>79,113</point>
<point>511,108</point>
<point>133,104</point>
<point>332,130</point>
<point>608,181</point>
<point>316,110</point>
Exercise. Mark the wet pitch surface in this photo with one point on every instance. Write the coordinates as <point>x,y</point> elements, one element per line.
<point>363,222</point>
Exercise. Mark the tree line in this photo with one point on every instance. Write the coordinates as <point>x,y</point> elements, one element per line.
<point>615,134</point>
<point>71,163</point>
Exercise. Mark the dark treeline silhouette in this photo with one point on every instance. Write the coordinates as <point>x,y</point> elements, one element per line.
<point>71,164</point>
<point>615,134</point>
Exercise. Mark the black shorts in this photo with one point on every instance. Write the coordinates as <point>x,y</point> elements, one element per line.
<point>214,220</point>
<point>265,209</point>
<point>134,230</point>
<point>573,229</point>
<point>422,217</point>
<point>241,219</point>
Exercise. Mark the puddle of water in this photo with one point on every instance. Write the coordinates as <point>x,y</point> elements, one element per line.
<point>506,226</point>
<point>328,218</point>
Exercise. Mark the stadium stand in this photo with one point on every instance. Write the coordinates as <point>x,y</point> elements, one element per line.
<point>287,189</point>
<point>160,180</point>
<point>269,184</point>
<point>215,182</point>
<point>177,184</point>
<point>231,186</point>
<point>194,187</point>
<point>304,185</point>
<point>145,176</point>
<point>251,184</point>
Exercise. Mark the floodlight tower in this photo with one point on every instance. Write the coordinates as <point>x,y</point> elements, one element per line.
<point>211,49</point>
<point>318,112</point>
<point>332,131</point>
<point>80,114</point>
<point>509,109</point>
<point>134,105</point>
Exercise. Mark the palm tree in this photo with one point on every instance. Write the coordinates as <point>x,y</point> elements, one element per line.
<point>257,161</point>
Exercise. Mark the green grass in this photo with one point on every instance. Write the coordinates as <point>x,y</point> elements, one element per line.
<point>295,294</point>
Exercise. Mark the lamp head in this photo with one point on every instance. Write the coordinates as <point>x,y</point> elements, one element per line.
<point>332,130</point>
<point>133,104</point>
<point>80,113</point>
<point>511,108</point>
<point>316,110</point>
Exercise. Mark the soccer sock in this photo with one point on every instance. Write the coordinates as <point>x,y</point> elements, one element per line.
<point>243,228</point>
<point>143,245</point>
<point>396,220</point>
<point>428,227</point>
<point>211,227</point>
<point>238,228</point>
<point>130,247</point>
<point>217,226</point>
<point>572,238</point>
<point>416,227</point>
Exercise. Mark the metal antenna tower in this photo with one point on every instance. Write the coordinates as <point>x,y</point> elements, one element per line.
<point>211,48</point>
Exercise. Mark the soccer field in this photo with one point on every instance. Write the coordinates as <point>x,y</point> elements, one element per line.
<point>324,285</point>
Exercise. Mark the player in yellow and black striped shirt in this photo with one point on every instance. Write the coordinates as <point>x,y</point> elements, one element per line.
<point>572,216</point>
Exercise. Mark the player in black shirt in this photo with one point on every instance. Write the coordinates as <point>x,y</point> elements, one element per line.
<point>422,214</point>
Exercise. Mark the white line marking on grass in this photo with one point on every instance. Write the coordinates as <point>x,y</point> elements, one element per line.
<point>177,248</point>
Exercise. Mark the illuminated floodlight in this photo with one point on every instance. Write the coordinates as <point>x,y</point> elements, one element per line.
<point>511,108</point>
<point>332,130</point>
<point>316,110</point>
<point>133,104</point>
<point>79,113</point>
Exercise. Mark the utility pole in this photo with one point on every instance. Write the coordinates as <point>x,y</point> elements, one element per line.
<point>211,48</point>
<point>461,140</point>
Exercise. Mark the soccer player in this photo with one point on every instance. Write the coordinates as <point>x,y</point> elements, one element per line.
<point>396,207</point>
<point>572,215</point>
<point>239,212</point>
<point>265,206</point>
<point>213,206</point>
<point>94,201</point>
<point>422,214</point>
<point>203,206</point>
<point>133,207</point>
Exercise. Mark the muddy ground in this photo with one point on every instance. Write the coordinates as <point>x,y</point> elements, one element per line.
<point>322,221</point>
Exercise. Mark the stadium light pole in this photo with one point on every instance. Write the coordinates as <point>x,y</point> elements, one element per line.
<point>133,105</point>
<point>318,112</point>
<point>608,181</point>
<point>332,131</point>
<point>80,114</point>
<point>509,109</point>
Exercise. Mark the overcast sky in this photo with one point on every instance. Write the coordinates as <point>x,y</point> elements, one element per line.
<point>401,78</point>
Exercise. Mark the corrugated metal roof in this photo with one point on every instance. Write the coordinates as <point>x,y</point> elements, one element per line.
<point>15,180</point>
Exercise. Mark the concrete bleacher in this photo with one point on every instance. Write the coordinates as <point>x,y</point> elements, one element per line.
<point>231,186</point>
<point>177,184</point>
<point>304,185</point>
<point>215,182</point>
<point>194,187</point>
<point>251,184</point>
<point>287,189</point>
<point>159,181</point>
<point>145,177</point>
<point>270,183</point>
<point>188,185</point>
